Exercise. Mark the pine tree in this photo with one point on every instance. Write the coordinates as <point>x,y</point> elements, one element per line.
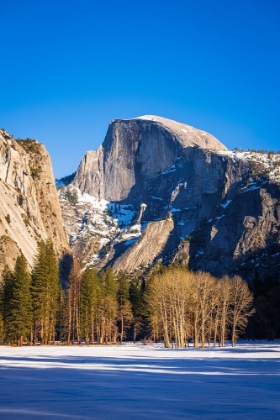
<point>89,293</point>
<point>73,302</point>
<point>1,329</point>
<point>18,319</point>
<point>39,294</point>
<point>54,288</point>
<point>45,289</point>
<point>107,307</point>
<point>136,297</point>
<point>110,304</point>
<point>5,296</point>
<point>62,317</point>
<point>124,306</point>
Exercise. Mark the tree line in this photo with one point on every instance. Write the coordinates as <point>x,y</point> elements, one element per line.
<point>93,307</point>
<point>171,304</point>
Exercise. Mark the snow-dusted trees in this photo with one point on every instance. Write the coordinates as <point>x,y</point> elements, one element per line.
<point>184,305</point>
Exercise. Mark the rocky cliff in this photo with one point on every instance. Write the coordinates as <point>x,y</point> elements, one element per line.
<point>164,190</point>
<point>29,206</point>
<point>133,152</point>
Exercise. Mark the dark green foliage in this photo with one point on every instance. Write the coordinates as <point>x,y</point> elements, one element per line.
<point>107,308</point>
<point>98,307</point>
<point>136,297</point>
<point>124,306</point>
<point>1,329</point>
<point>89,300</point>
<point>6,291</point>
<point>107,281</point>
<point>45,289</point>
<point>18,317</point>
<point>73,302</point>
<point>71,196</point>
<point>5,298</point>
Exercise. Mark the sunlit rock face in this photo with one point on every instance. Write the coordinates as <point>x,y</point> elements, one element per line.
<point>29,206</point>
<point>214,209</point>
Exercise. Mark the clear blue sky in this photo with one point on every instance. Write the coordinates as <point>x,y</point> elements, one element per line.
<point>68,67</point>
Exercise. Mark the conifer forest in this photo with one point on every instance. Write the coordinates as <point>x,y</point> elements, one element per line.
<point>169,304</point>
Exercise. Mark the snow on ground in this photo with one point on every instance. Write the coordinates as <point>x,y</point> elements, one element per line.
<point>140,382</point>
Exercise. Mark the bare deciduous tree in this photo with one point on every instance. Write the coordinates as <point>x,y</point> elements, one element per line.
<point>241,306</point>
<point>184,305</point>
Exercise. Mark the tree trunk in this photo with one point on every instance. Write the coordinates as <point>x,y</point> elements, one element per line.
<point>233,334</point>
<point>122,328</point>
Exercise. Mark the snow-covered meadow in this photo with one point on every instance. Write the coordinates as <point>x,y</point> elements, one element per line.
<point>140,382</point>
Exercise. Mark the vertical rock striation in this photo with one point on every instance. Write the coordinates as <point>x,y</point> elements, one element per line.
<point>133,152</point>
<point>29,206</point>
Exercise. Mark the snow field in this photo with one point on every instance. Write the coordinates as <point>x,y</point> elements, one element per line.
<point>140,381</point>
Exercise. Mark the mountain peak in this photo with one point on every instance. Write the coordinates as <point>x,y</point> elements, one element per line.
<point>188,135</point>
<point>134,150</point>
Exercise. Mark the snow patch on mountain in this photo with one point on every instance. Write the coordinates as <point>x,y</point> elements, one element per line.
<point>95,224</point>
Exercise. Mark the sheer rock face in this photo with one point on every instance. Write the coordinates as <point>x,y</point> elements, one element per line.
<point>133,152</point>
<point>29,206</point>
<point>224,206</point>
<point>147,248</point>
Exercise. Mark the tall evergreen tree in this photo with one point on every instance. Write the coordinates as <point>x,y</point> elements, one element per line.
<point>1,329</point>
<point>124,306</point>
<point>45,289</point>
<point>5,296</point>
<point>107,307</point>
<point>136,297</point>
<point>89,294</point>
<point>18,319</point>
<point>73,302</point>
<point>54,288</point>
<point>39,294</point>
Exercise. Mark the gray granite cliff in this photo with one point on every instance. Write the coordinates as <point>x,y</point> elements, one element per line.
<point>190,200</point>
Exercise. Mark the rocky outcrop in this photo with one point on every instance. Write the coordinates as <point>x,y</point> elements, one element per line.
<point>244,239</point>
<point>223,205</point>
<point>147,248</point>
<point>29,206</point>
